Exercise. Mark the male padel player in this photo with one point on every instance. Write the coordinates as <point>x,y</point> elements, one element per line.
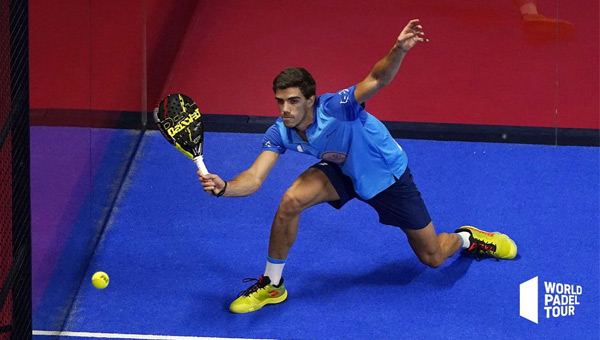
<point>359,159</point>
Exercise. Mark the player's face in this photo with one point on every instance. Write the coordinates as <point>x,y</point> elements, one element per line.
<point>295,109</point>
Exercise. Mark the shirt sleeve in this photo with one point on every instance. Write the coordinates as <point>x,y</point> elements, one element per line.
<point>342,105</point>
<point>272,140</point>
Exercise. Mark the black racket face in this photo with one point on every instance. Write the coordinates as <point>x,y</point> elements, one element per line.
<point>179,120</point>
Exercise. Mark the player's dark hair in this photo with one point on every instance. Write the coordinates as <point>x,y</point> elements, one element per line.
<point>296,77</point>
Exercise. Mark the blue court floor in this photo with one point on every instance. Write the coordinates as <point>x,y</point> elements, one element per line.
<point>176,256</point>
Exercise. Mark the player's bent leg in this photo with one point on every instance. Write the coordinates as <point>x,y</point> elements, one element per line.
<point>310,188</point>
<point>432,249</point>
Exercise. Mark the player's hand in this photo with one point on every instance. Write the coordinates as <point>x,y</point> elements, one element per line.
<point>211,183</point>
<point>411,35</point>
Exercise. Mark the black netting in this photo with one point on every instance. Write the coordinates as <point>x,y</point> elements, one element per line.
<point>15,220</point>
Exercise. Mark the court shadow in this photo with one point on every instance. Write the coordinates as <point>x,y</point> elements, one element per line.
<point>399,273</point>
<point>449,274</point>
<point>404,272</point>
<point>392,274</point>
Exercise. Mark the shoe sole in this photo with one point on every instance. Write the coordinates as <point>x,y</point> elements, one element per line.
<point>262,304</point>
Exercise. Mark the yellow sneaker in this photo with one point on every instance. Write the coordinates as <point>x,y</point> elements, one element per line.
<point>494,244</point>
<point>259,294</point>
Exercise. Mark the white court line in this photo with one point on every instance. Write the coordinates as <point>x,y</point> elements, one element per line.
<point>128,336</point>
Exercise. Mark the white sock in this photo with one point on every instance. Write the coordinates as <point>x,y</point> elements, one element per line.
<point>464,236</point>
<point>274,270</point>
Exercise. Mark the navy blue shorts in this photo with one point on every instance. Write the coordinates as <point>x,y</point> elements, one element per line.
<point>399,205</point>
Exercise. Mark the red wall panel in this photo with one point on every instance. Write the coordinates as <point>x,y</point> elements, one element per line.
<point>89,54</point>
<point>481,66</point>
<point>59,57</point>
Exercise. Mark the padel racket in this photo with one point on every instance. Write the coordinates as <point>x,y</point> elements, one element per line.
<point>180,121</point>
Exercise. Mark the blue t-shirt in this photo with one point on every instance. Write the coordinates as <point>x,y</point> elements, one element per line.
<point>344,133</point>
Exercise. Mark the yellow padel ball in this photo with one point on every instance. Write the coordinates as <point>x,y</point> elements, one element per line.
<point>100,280</point>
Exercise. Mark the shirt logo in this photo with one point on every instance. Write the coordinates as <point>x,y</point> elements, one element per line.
<point>299,148</point>
<point>334,157</point>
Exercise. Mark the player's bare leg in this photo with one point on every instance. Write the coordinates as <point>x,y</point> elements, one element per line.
<point>434,249</point>
<point>310,188</point>
<point>431,248</point>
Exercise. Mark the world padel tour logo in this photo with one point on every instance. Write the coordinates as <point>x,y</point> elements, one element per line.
<point>559,299</point>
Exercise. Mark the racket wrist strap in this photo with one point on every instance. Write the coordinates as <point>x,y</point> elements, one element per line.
<point>222,192</point>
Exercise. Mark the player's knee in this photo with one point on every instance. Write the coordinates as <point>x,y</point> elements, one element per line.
<point>290,204</point>
<point>432,260</point>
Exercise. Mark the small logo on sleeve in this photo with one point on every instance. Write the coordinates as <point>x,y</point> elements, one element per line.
<point>345,94</point>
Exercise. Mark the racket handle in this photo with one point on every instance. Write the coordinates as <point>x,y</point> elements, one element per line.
<point>200,164</point>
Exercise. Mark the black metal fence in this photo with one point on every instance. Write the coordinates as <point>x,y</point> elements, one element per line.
<point>15,209</point>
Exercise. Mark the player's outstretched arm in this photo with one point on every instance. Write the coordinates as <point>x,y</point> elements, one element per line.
<point>244,184</point>
<point>385,69</point>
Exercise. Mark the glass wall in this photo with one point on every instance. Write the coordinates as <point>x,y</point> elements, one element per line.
<point>89,94</point>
